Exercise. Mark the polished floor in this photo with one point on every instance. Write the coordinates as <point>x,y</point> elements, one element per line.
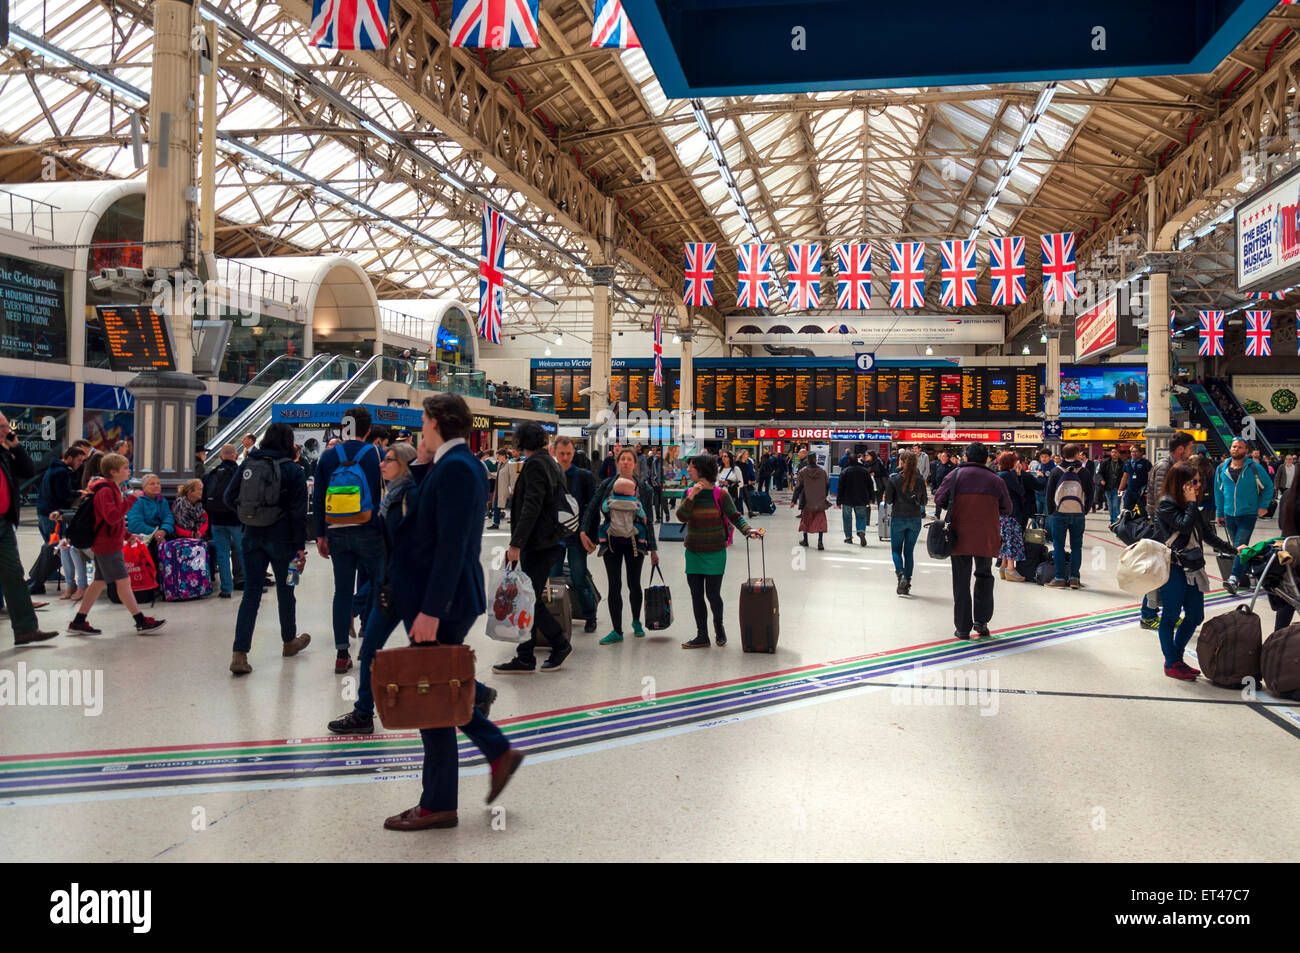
<point>870,735</point>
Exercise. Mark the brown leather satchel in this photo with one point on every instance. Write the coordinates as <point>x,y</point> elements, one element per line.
<point>424,686</point>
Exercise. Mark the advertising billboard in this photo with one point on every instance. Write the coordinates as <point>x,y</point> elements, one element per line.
<point>1268,236</point>
<point>1118,391</point>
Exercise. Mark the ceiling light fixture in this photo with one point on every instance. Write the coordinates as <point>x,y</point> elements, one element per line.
<point>559,340</point>
<point>1025,349</point>
<point>1026,134</point>
<point>719,157</point>
<point>548,352</point>
<point>928,350</point>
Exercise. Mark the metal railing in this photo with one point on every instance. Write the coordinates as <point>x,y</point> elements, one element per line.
<point>281,368</point>
<point>424,330</point>
<point>378,368</point>
<point>251,282</point>
<point>26,214</point>
<point>455,379</point>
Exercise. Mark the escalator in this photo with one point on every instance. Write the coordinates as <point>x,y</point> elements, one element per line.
<point>1233,410</point>
<point>272,377</point>
<point>378,370</point>
<point>1205,414</point>
<point>317,383</point>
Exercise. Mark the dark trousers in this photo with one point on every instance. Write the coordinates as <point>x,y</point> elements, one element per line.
<point>536,565</point>
<point>13,581</point>
<point>577,557</point>
<point>441,763</point>
<point>962,618</point>
<point>260,553</point>
<point>706,587</point>
<point>622,552</point>
<point>358,547</point>
<point>1179,596</point>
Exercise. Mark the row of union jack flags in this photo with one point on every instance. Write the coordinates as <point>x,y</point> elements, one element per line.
<point>957,273</point>
<point>486,24</point>
<point>1259,332</point>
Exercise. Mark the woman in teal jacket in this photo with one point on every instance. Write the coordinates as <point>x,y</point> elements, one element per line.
<point>151,516</point>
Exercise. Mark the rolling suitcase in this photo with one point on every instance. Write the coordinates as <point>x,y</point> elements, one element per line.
<point>883,520</point>
<point>760,617</point>
<point>47,567</point>
<point>760,502</point>
<point>1279,662</point>
<point>184,573</point>
<point>1228,648</point>
<point>1035,555</point>
<point>556,599</point>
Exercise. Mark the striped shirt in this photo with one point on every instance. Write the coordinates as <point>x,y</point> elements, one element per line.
<point>705,532</point>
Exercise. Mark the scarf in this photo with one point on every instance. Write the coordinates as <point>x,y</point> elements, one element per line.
<point>188,515</point>
<point>393,491</point>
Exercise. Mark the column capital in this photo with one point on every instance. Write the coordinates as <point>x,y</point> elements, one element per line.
<point>601,274</point>
<point>686,334</point>
<point>1161,262</point>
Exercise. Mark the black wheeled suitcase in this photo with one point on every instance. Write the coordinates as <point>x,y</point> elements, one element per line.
<point>760,617</point>
<point>1228,648</point>
<point>47,567</point>
<point>556,598</point>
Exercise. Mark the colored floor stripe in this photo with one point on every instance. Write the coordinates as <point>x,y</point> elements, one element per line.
<point>151,771</point>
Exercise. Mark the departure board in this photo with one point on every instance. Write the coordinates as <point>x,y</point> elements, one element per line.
<point>846,394</point>
<point>638,384</point>
<point>999,394</point>
<point>581,402</point>
<point>544,382</point>
<point>744,406</point>
<point>563,392</point>
<point>139,338</point>
<point>866,387</point>
<point>824,399</point>
<point>972,391</point>
<point>887,393</point>
<point>617,386</point>
<point>783,395</point>
<point>764,395</point>
<point>949,395</point>
<point>803,395</point>
<point>1028,396</point>
<point>928,390</point>
<point>907,395</point>
<point>674,380</point>
<point>724,405</point>
<point>657,394</point>
<point>706,391</point>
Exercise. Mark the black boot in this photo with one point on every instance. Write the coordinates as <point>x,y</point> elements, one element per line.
<point>804,541</point>
<point>819,541</point>
<point>901,589</point>
<point>863,537</point>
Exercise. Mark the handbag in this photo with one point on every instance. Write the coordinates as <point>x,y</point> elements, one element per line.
<point>1143,567</point>
<point>658,603</point>
<point>424,686</point>
<point>1191,559</point>
<point>939,538</point>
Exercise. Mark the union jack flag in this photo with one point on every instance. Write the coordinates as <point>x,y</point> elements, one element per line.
<point>1058,267</point>
<point>1007,269</point>
<point>494,24</point>
<point>755,276</point>
<point>1267,295</point>
<point>349,24</point>
<point>805,275</point>
<point>957,274</point>
<point>1211,334</point>
<point>853,288</point>
<point>907,275</point>
<point>698,290</point>
<point>491,275</point>
<point>659,352</point>
<point>611,27</point>
<point>1259,330</point>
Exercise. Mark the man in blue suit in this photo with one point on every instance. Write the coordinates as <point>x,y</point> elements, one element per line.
<point>438,585</point>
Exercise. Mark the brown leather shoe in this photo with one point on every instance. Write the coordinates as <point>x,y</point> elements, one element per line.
<point>410,820</point>
<point>36,635</point>
<point>239,664</point>
<point>295,645</point>
<point>502,769</point>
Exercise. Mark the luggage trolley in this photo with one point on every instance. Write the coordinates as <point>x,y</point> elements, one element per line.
<point>1278,578</point>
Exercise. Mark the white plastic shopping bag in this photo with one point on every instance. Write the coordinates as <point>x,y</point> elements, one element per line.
<point>1143,567</point>
<point>510,612</point>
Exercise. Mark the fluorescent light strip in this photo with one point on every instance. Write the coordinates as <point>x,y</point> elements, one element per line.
<point>24,39</point>
<point>1026,134</point>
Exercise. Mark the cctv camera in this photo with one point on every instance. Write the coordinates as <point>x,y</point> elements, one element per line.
<point>100,283</point>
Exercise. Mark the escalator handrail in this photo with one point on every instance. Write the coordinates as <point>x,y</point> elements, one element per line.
<point>342,389</point>
<point>254,410</point>
<point>225,401</point>
<point>1260,441</point>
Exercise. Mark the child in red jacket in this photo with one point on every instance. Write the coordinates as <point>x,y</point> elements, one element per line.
<point>110,533</point>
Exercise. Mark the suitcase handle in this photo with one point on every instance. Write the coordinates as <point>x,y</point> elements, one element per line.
<point>1259,586</point>
<point>762,547</point>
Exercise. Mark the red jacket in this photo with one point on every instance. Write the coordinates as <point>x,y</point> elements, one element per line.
<point>110,516</point>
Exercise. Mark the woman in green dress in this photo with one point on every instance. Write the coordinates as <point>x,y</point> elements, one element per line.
<point>703,510</point>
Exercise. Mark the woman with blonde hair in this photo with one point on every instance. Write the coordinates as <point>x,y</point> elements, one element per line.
<point>190,517</point>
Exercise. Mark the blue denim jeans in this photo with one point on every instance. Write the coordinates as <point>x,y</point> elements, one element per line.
<point>259,553</point>
<point>903,535</point>
<point>74,567</point>
<point>1112,498</point>
<point>850,512</point>
<point>577,559</point>
<point>350,549</point>
<point>1239,530</point>
<point>228,541</point>
<point>1067,527</point>
<point>1177,595</point>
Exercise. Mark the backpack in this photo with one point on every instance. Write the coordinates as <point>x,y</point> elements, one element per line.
<point>259,492</point>
<point>1069,493</point>
<point>214,490</point>
<point>347,498</point>
<point>80,530</point>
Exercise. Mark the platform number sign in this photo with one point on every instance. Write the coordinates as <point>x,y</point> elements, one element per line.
<point>865,361</point>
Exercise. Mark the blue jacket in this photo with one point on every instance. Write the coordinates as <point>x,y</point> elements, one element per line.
<point>329,462</point>
<point>1245,496</point>
<point>289,532</point>
<point>440,541</point>
<point>148,516</point>
<point>57,491</point>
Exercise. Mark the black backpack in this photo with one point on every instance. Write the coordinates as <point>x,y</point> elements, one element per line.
<point>80,530</point>
<point>214,489</point>
<point>260,492</point>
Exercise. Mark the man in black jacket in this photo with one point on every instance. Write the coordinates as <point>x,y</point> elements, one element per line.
<point>15,465</point>
<point>854,494</point>
<point>227,531</point>
<point>582,485</point>
<point>58,491</point>
<point>939,469</point>
<point>535,543</point>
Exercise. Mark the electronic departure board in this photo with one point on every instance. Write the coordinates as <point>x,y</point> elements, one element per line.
<point>896,394</point>
<point>139,338</point>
